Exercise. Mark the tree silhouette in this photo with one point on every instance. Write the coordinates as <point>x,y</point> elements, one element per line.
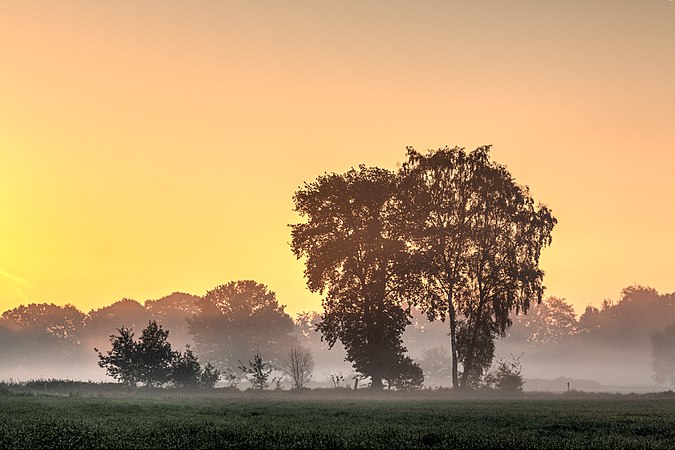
<point>185,369</point>
<point>405,375</point>
<point>475,238</point>
<point>121,361</point>
<point>154,355</point>
<point>353,257</point>
<point>148,360</point>
<point>239,318</point>
<point>210,375</point>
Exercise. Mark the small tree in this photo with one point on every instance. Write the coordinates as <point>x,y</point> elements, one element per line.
<point>120,361</point>
<point>410,375</point>
<point>298,366</point>
<point>185,369</point>
<point>507,376</point>
<point>154,355</point>
<point>209,376</point>
<point>257,372</point>
<point>152,361</point>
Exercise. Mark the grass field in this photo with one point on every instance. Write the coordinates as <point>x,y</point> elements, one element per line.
<point>270,422</point>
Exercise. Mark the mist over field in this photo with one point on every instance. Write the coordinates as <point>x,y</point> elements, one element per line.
<point>609,346</point>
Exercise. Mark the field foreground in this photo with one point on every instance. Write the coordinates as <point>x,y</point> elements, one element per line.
<point>79,422</point>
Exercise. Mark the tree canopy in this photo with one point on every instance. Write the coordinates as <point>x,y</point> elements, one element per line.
<point>238,319</point>
<point>354,257</point>
<point>476,238</point>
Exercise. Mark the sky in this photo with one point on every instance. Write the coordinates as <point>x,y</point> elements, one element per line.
<point>148,147</point>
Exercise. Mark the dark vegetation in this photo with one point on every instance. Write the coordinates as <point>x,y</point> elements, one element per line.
<point>151,361</point>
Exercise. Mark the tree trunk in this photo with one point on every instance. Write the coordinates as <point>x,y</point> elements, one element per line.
<point>453,344</point>
<point>471,348</point>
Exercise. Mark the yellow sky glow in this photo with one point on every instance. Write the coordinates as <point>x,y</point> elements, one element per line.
<point>150,147</point>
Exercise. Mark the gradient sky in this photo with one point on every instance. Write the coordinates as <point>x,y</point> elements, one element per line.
<point>154,146</point>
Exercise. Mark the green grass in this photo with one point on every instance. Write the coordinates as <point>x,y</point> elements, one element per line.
<point>269,422</point>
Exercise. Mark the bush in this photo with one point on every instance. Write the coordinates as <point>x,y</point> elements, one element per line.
<point>506,376</point>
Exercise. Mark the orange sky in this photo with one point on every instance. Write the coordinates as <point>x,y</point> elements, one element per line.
<point>154,146</point>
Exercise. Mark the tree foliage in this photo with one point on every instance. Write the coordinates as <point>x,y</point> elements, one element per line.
<point>506,376</point>
<point>63,323</point>
<point>121,361</point>
<point>354,257</point>
<point>154,355</point>
<point>151,360</point>
<point>406,375</point>
<point>239,318</point>
<point>549,322</point>
<point>476,238</point>
<point>186,371</point>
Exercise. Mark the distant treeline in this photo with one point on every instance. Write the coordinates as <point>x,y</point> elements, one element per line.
<point>228,324</point>
<point>247,318</point>
<point>613,340</point>
<point>612,343</point>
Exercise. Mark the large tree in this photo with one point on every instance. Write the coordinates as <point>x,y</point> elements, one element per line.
<point>238,319</point>
<point>475,236</point>
<point>353,256</point>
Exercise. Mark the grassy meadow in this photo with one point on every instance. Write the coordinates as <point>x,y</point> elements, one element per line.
<point>284,420</point>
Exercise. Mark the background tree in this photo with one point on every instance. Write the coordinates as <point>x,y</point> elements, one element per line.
<point>663,356</point>
<point>436,365</point>
<point>354,258</point>
<point>298,366</point>
<point>476,238</point>
<point>240,318</point>
<point>257,372</point>
<point>551,321</point>
<point>63,323</point>
<point>41,335</point>
<point>172,312</point>
<point>107,320</point>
